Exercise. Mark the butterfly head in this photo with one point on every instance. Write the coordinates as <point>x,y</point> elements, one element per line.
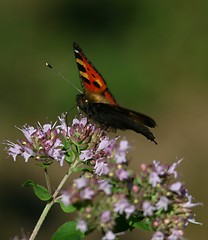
<point>82,102</point>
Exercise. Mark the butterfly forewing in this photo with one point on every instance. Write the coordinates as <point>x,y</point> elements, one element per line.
<point>92,81</point>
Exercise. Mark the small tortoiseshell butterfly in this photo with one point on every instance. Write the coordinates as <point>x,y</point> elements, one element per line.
<point>100,105</point>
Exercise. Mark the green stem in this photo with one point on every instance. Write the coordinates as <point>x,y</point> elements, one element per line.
<point>47,181</point>
<point>49,205</point>
<point>41,219</point>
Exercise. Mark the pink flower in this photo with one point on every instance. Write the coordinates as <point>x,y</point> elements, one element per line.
<point>162,203</point>
<point>87,193</point>
<point>122,174</point>
<point>109,236</point>
<point>82,226</point>
<point>154,179</point>
<point>81,182</point>
<point>120,156</point>
<point>105,216</point>
<point>148,208</point>
<point>101,168</point>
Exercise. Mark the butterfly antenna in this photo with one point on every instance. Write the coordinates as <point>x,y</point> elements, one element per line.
<point>72,108</point>
<point>62,76</point>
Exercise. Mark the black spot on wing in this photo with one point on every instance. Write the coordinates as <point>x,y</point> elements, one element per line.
<point>96,84</point>
<point>86,80</point>
<point>81,68</point>
<point>78,55</point>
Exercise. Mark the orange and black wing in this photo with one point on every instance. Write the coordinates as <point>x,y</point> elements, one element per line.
<point>92,81</point>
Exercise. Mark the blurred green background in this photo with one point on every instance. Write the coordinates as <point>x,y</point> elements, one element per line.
<point>154,56</point>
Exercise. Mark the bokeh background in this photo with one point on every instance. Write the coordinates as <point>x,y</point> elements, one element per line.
<point>154,56</point>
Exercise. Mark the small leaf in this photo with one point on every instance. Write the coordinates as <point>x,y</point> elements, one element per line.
<point>74,148</point>
<point>77,169</point>
<point>69,158</point>
<point>66,144</point>
<point>67,209</point>
<point>68,231</point>
<point>40,191</point>
<point>144,225</point>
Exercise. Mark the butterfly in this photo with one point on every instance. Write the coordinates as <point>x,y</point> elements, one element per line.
<point>99,104</point>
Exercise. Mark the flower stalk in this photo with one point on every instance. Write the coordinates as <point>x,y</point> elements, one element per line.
<point>54,199</point>
<point>41,220</point>
<point>48,184</point>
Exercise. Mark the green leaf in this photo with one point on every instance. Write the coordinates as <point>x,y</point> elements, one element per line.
<point>67,209</point>
<point>144,225</point>
<point>40,191</point>
<point>77,169</point>
<point>68,231</point>
<point>66,143</point>
<point>69,158</point>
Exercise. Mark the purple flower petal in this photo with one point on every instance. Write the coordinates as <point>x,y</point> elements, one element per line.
<point>172,168</point>
<point>87,193</point>
<point>14,149</point>
<point>83,121</point>
<point>28,132</point>
<point>58,143</point>
<point>176,234</point>
<point>158,236</point>
<point>101,168</point>
<point>65,198</point>
<point>105,216</point>
<point>189,204</point>
<point>176,187</point>
<point>46,127</point>
<point>148,208</point>
<point>103,144</point>
<point>81,182</point>
<point>129,210</point>
<point>192,220</point>
<point>75,121</point>
<point>120,206</point>
<point>122,174</point>
<point>58,155</point>
<point>26,155</point>
<point>109,236</point>
<point>162,203</point>
<point>86,155</point>
<point>124,145</point>
<point>82,226</point>
<point>154,179</point>
<point>63,125</point>
<point>56,152</point>
<point>159,168</point>
<point>105,187</point>
<point>120,156</point>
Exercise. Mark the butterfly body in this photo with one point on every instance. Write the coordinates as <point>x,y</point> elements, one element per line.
<point>100,105</point>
